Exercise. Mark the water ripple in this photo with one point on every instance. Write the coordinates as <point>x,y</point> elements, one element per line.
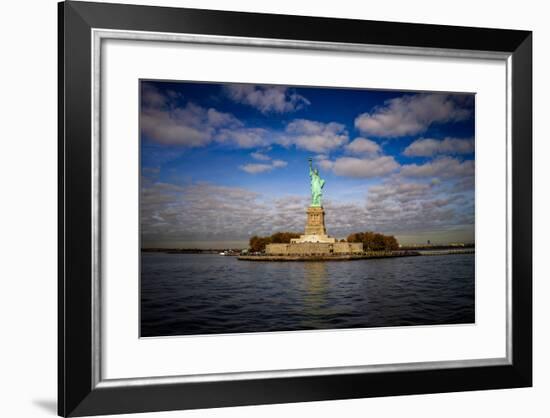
<point>189,294</point>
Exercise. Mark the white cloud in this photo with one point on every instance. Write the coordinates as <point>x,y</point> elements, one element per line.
<point>279,163</point>
<point>402,205</point>
<point>259,156</point>
<point>219,119</point>
<point>363,146</point>
<point>151,97</point>
<point>255,168</point>
<point>192,125</point>
<point>361,167</point>
<point>172,214</point>
<point>169,128</point>
<point>244,137</point>
<point>427,147</point>
<point>266,99</point>
<point>198,211</point>
<point>411,114</point>
<point>315,136</point>
<point>325,164</point>
<point>445,167</point>
<point>163,121</point>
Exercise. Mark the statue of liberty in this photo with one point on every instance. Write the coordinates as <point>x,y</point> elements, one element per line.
<point>317,184</point>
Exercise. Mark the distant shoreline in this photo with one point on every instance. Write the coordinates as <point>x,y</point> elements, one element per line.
<point>424,250</point>
<point>188,250</point>
<point>344,257</point>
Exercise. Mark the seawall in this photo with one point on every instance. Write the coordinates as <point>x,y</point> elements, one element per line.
<point>328,257</point>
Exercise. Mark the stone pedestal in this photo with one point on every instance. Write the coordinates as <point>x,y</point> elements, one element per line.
<point>315,227</point>
<point>315,224</point>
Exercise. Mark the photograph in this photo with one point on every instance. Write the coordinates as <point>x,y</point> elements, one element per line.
<point>268,208</point>
<point>308,211</point>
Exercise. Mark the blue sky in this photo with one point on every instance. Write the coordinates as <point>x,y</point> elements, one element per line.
<point>222,162</point>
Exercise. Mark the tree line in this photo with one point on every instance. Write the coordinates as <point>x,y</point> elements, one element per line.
<point>373,241</point>
<point>257,244</point>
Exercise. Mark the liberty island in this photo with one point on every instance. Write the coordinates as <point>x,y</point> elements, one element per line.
<point>315,242</point>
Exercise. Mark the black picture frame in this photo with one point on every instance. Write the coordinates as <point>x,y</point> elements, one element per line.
<point>79,394</point>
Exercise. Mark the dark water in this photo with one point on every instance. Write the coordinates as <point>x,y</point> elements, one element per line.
<point>184,294</point>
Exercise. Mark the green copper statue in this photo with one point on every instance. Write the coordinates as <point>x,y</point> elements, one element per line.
<point>317,184</point>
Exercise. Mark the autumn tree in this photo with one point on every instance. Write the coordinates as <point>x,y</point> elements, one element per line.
<point>258,244</point>
<point>373,241</point>
<point>283,237</point>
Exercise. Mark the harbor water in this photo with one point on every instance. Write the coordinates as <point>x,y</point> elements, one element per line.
<point>192,294</point>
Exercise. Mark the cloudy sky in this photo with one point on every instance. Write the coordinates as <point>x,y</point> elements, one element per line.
<point>223,162</point>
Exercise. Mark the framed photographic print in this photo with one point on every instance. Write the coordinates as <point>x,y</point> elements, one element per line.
<point>263,208</point>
